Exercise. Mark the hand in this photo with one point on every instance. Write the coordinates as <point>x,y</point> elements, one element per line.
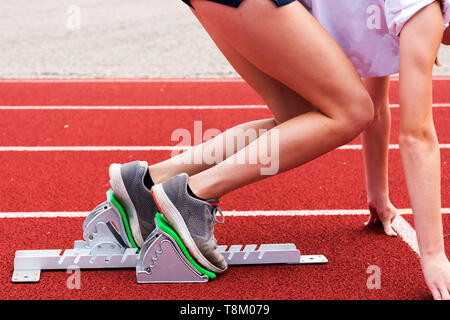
<point>436,270</point>
<point>382,215</point>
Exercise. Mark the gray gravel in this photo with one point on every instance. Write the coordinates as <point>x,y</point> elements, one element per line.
<point>115,39</point>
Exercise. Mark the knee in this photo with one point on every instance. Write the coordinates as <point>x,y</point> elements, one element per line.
<point>358,116</point>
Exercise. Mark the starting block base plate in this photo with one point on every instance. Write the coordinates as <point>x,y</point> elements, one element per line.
<point>162,259</point>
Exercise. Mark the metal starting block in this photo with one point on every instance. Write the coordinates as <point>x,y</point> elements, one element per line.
<point>108,244</point>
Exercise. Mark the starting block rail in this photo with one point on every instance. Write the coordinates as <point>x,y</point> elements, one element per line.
<point>163,258</point>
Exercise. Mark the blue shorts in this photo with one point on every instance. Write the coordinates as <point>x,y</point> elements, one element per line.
<point>236,3</point>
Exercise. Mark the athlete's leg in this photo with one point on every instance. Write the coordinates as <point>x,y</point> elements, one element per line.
<point>305,59</point>
<point>288,45</point>
<point>283,102</point>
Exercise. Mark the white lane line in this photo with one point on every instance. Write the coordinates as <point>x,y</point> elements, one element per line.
<point>256,213</point>
<point>146,148</point>
<point>401,226</point>
<point>391,146</point>
<point>45,214</point>
<point>435,105</point>
<point>186,107</point>
<point>138,80</point>
<point>94,148</point>
<point>407,233</point>
<point>218,107</point>
<point>325,212</point>
<point>128,80</point>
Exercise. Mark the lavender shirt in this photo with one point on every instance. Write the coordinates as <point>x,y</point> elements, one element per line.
<point>367,30</point>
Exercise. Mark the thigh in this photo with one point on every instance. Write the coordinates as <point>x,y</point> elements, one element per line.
<point>283,102</point>
<point>289,45</point>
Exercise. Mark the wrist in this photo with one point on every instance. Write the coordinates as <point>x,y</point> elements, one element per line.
<point>378,199</point>
<point>433,255</point>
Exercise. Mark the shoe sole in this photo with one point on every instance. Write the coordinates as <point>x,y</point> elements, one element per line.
<point>121,193</point>
<point>174,217</point>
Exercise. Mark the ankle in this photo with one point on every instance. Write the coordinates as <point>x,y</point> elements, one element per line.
<point>192,194</point>
<point>156,175</point>
<point>203,189</point>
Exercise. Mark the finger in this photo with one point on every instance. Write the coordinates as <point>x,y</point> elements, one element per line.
<point>393,219</point>
<point>373,217</point>
<point>436,294</point>
<point>376,219</point>
<point>370,221</point>
<point>373,220</point>
<point>444,294</point>
<point>387,227</point>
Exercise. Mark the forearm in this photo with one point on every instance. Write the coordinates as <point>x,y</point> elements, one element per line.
<point>419,43</point>
<point>421,162</point>
<point>375,141</point>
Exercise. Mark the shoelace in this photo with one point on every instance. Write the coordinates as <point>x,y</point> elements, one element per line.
<point>215,210</point>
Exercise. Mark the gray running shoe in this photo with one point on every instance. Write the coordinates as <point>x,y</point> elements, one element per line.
<point>193,219</point>
<point>128,185</point>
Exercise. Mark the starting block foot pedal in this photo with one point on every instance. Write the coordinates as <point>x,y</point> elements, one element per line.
<point>165,259</point>
<point>163,263</point>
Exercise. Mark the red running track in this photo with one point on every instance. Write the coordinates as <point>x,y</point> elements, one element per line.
<point>141,127</point>
<point>144,92</point>
<point>350,247</point>
<point>77,181</point>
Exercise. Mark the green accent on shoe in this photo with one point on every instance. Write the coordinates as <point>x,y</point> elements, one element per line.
<point>115,202</point>
<point>163,224</point>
